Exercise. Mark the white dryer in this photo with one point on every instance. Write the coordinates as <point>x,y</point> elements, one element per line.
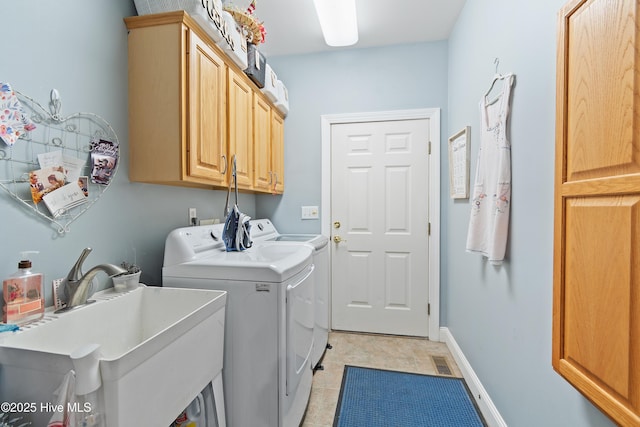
<point>263,230</point>
<point>269,325</point>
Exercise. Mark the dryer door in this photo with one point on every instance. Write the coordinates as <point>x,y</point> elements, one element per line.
<point>300,321</point>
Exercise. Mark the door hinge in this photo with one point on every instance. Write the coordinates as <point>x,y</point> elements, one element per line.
<point>429,147</point>
<point>429,229</point>
<point>428,309</point>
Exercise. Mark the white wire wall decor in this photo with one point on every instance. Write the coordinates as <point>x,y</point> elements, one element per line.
<point>88,147</point>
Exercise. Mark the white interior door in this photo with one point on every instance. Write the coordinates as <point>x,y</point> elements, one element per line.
<point>379,226</point>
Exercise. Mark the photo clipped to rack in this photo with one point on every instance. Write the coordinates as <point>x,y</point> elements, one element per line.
<point>51,182</point>
<point>104,158</point>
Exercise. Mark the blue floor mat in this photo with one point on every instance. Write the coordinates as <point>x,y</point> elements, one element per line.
<point>380,398</point>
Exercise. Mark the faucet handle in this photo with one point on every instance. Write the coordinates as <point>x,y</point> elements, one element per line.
<point>75,273</point>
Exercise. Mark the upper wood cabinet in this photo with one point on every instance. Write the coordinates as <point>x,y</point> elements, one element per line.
<point>191,109</point>
<point>596,298</point>
<point>277,152</point>
<point>241,127</point>
<point>207,147</point>
<point>261,144</point>
<point>177,104</point>
<point>268,171</point>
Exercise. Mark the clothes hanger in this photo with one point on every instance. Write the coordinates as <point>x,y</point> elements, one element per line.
<point>497,76</point>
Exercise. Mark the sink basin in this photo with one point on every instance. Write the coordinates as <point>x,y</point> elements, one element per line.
<point>154,355</point>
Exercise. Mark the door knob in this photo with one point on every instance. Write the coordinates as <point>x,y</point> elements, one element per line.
<point>336,224</point>
<point>338,239</point>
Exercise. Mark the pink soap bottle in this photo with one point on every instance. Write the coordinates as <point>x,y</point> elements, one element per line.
<point>22,294</point>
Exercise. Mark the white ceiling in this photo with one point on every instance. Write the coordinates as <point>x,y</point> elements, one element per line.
<point>293,28</point>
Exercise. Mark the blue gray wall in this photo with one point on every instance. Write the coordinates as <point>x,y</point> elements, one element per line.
<point>358,80</point>
<point>80,48</point>
<point>501,317</point>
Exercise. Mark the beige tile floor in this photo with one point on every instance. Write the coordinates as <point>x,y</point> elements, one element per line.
<point>372,351</point>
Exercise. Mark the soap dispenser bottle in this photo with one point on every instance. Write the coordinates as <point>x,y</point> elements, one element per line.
<point>22,294</point>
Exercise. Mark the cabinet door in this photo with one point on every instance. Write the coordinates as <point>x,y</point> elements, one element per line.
<point>596,321</point>
<point>207,155</point>
<point>241,127</point>
<point>277,152</point>
<point>261,144</point>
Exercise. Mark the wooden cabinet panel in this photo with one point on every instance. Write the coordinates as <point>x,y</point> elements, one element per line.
<point>241,127</point>
<point>207,144</point>
<point>177,103</point>
<point>596,327</point>
<point>599,75</point>
<point>261,144</point>
<point>155,78</point>
<point>277,152</point>
<point>600,263</point>
<point>269,148</point>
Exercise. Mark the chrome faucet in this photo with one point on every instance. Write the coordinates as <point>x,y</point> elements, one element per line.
<point>77,287</point>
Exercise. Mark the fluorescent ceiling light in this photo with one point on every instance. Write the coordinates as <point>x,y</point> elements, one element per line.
<point>338,21</point>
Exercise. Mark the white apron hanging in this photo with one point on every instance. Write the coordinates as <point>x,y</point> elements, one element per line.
<point>491,197</point>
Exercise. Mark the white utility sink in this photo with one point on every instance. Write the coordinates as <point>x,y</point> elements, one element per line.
<point>160,347</point>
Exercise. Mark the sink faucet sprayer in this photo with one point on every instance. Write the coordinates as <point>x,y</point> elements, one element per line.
<point>77,287</point>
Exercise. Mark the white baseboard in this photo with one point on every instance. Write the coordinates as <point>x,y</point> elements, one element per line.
<point>488,409</point>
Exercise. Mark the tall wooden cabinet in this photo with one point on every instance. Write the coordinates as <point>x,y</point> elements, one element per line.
<point>191,110</point>
<point>596,310</point>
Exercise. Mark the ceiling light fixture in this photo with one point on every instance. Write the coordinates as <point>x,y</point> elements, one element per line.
<point>338,21</point>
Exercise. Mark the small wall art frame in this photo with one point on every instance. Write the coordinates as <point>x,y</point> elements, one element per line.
<point>459,149</point>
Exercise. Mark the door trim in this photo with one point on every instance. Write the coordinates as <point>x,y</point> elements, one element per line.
<point>433,114</point>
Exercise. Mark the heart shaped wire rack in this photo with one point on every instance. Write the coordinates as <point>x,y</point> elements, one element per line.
<point>73,136</point>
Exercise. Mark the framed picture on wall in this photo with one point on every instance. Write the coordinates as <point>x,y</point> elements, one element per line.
<point>459,148</point>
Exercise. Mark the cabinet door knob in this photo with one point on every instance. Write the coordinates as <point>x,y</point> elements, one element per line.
<point>224,162</point>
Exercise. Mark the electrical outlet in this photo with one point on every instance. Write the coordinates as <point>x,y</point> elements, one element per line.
<point>309,212</point>
<point>193,216</point>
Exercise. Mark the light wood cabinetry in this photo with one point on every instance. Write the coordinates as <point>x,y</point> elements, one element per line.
<point>191,109</point>
<point>177,103</point>
<point>277,152</point>
<point>241,128</point>
<point>596,307</point>
<point>261,144</point>
<point>268,171</point>
<point>207,148</point>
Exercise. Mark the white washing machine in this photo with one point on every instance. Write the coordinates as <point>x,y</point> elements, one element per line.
<point>269,320</point>
<point>263,230</point>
